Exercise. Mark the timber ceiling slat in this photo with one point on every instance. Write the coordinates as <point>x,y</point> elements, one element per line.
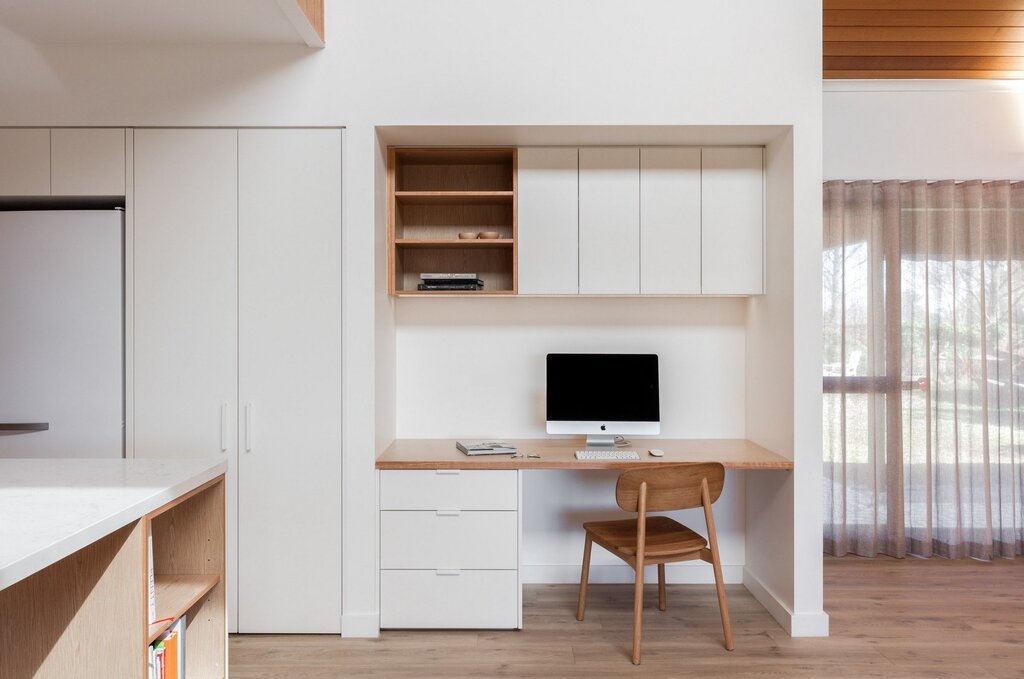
<point>923,38</point>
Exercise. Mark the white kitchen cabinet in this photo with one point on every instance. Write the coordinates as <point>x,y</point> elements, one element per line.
<point>548,220</point>
<point>186,303</point>
<point>670,221</point>
<point>609,250</point>
<point>24,162</point>
<point>87,162</point>
<point>289,357</point>
<point>732,224</point>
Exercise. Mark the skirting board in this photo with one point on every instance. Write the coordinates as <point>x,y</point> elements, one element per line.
<point>360,625</point>
<point>795,624</point>
<point>676,574</point>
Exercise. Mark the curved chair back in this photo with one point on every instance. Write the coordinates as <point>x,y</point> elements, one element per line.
<point>669,486</point>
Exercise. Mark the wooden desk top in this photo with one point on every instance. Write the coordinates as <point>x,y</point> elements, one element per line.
<point>560,454</point>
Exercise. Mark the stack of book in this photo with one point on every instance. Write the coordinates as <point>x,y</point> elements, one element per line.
<point>450,281</point>
<point>167,653</point>
<point>486,447</point>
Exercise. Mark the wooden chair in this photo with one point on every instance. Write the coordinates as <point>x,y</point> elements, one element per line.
<point>650,540</point>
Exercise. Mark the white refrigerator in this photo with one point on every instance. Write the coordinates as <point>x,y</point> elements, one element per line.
<point>62,333</point>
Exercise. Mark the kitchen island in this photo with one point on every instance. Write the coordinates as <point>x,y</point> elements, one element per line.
<point>74,564</point>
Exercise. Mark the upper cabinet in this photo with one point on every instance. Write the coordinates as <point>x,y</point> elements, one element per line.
<point>62,162</point>
<point>641,221</point>
<point>549,229</point>
<point>24,162</point>
<point>732,221</point>
<point>670,221</point>
<point>609,252</point>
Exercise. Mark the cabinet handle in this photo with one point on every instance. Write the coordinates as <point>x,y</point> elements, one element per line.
<point>447,472</point>
<point>448,571</point>
<point>223,426</point>
<point>248,427</point>
<point>449,512</point>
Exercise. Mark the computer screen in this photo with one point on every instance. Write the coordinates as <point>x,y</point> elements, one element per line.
<point>603,388</point>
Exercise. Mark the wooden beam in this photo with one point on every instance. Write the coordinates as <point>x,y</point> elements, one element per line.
<point>307,16</point>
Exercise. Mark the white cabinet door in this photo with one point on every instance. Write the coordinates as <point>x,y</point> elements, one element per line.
<point>670,221</point>
<point>87,162</point>
<point>186,302</point>
<point>609,220</point>
<point>25,162</point>
<point>732,227</point>
<point>548,221</point>
<point>289,531</point>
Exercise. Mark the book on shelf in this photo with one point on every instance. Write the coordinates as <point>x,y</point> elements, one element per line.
<point>167,653</point>
<point>486,447</point>
<point>460,285</point>
<point>152,582</point>
<point>447,276</point>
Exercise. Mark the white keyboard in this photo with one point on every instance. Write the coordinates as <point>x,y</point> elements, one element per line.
<point>607,455</point>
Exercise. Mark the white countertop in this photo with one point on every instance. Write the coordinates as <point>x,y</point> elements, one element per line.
<point>51,508</point>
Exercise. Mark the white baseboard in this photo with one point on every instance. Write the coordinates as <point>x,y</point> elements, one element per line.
<point>796,625</point>
<point>676,574</point>
<point>362,625</point>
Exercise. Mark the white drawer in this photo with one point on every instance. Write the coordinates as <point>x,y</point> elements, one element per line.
<point>430,489</point>
<point>449,539</point>
<point>461,599</point>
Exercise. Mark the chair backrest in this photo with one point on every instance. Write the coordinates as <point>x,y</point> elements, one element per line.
<point>669,486</point>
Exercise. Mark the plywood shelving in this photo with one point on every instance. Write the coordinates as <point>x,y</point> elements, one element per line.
<point>436,193</point>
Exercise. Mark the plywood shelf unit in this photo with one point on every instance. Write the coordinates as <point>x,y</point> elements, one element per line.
<point>188,565</point>
<point>434,194</point>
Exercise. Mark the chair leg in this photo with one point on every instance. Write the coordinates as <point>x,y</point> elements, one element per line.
<point>723,605</point>
<point>661,587</point>
<point>638,611</point>
<point>584,577</point>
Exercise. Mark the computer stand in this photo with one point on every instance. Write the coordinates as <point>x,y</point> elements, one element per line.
<point>601,440</point>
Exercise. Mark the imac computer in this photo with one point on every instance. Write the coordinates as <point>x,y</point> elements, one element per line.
<point>603,396</point>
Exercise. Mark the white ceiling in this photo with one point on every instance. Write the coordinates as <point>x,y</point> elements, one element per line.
<point>146,21</point>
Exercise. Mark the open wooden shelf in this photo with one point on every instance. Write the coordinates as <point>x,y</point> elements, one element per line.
<point>454,197</point>
<point>175,594</point>
<point>455,243</point>
<point>436,193</point>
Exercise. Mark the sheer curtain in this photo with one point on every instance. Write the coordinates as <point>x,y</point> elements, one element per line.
<point>924,368</point>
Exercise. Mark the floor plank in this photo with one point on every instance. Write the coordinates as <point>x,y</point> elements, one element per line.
<point>897,619</point>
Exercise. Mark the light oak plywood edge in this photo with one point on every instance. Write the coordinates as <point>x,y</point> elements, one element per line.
<point>59,610</point>
<point>307,18</point>
<point>560,454</point>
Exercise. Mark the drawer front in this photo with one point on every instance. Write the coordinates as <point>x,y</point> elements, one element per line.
<point>428,489</point>
<point>449,539</point>
<point>433,600</point>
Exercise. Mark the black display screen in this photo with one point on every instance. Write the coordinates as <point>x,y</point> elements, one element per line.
<point>603,387</point>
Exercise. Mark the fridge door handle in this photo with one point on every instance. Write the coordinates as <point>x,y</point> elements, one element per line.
<point>224,426</point>
<point>248,426</point>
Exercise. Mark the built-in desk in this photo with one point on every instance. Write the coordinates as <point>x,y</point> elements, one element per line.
<point>560,454</point>
<point>451,524</point>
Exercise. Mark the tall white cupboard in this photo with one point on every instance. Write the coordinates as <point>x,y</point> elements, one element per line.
<point>237,349</point>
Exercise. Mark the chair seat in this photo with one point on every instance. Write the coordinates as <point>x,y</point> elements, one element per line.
<point>665,536</point>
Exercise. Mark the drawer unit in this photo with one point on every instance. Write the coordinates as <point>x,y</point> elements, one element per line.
<point>449,539</point>
<point>449,549</point>
<point>429,489</point>
<point>449,599</point>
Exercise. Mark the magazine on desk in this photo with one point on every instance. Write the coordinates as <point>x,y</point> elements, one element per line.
<point>486,447</point>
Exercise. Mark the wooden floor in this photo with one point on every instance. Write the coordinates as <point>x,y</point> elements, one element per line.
<point>889,618</point>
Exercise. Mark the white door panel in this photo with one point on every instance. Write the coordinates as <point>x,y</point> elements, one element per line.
<point>289,197</point>
<point>670,221</point>
<point>732,227</point>
<point>609,221</point>
<point>548,221</point>
<point>186,302</point>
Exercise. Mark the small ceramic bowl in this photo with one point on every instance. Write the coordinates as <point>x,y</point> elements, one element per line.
<point>490,235</point>
<point>469,235</point>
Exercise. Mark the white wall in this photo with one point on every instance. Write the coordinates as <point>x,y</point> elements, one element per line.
<point>455,62</point>
<point>924,130</point>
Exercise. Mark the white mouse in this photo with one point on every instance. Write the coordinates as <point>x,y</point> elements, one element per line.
<point>656,453</point>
